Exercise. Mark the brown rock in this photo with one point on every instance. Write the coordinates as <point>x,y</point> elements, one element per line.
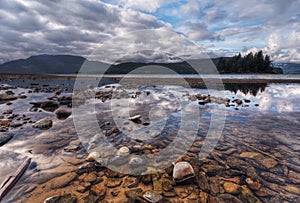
<point>157,186</point>
<point>250,155</point>
<point>90,177</point>
<point>247,196</point>
<point>203,197</point>
<point>227,198</point>
<point>231,188</point>
<point>214,185</point>
<point>113,182</point>
<point>268,162</point>
<point>292,189</point>
<point>63,181</point>
<point>253,184</point>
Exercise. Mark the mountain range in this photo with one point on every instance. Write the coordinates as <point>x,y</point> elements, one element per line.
<point>68,64</point>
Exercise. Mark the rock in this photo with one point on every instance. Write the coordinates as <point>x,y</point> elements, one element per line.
<point>273,178</point>
<point>46,105</point>
<point>247,196</point>
<point>67,198</point>
<point>81,189</point>
<point>183,191</point>
<point>152,197</point>
<point>247,100</point>
<point>183,171</point>
<point>212,169</point>
<point>94,196</point>
<point>72,148</point>
<point>15,124</point>
<point>86,168</point>
<point>235,180</point>
<point>254,185</point>
<point>238,101</point>
<point>292,189</point>
<point>158,186</point>
<point>5,121</point>
<point>136,162</point>
<point>9,111</point>
<point>115,192</point>
<point>268,162</point>
<point>5,137</point>
<point>133,194</point>
<point>62,114</point>
<point>113,182</point>
<point>250,155</point>
<point>265,192</point>
<point>90,177</point>
<point>44,123</point>
<point>93,156</point>
<point>7,97</point>
<point>123,151</point>
<point>204,100</point>
<point>227,198</point>
<point>63,181</point>
<point>136,119</point>
<point>214,186</point>
<point>22,96</point>
<point>294,177</point>
<point>203,197</point>
<point>203,181</point>
<point>99,190</point>
<point>231,188</point>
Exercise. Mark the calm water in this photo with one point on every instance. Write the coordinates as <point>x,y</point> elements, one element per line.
<point>269,123</point>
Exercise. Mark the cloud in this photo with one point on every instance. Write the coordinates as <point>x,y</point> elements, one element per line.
<point>78,27</point>
<point>64,27</point>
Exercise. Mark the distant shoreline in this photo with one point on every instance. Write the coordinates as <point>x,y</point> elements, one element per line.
<point>295,79</point>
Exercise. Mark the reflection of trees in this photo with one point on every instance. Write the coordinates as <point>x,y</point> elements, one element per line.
<point>252,88</point>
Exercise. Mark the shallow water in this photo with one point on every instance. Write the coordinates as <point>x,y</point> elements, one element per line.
<point>268,125</point>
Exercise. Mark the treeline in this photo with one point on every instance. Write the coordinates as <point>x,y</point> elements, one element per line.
<point>250,63</point>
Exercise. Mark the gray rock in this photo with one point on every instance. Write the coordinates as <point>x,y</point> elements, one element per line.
<point>183,171</point>
<point>5,137</point>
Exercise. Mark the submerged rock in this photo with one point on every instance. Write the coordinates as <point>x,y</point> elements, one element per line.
<point>62,114</point>
<point>183,171</point>
<point>152,197</point>
<point>5,137</point>
<point>231,188</point>
<point>123,151</point>
<point>7,97</point>
<point>136,119</point>
<point>63,181</point>
<point>44,123</point>
<point>46,105</point>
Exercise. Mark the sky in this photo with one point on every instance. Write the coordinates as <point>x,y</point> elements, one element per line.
<point>220,28</point>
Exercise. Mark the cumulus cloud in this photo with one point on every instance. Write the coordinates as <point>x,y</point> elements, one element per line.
<point>64,27</point>
<point>271,25</point>
<point>78,27</point>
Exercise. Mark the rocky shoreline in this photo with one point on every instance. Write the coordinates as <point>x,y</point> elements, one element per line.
<point>250,163</point>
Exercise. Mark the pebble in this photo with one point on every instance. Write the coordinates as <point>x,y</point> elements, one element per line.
<point>123,151</point>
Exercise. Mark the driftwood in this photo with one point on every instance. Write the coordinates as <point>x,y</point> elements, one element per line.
<point>10,181</point>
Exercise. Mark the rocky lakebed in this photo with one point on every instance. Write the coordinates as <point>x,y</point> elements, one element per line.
<point>105,144</point>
